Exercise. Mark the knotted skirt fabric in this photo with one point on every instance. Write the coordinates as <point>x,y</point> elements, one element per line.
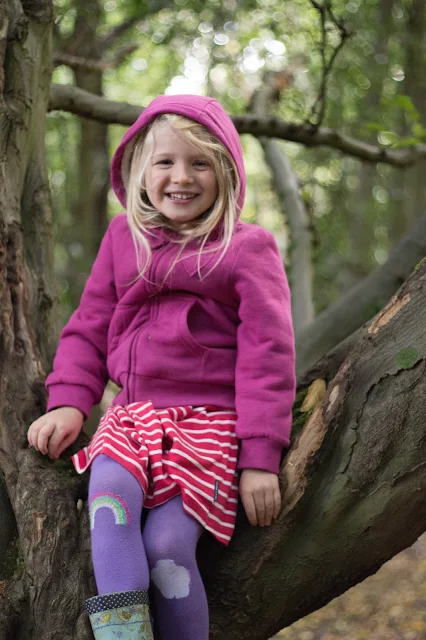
<point>179,450</point>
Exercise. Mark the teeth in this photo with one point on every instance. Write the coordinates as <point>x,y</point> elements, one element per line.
<point>180,197</point>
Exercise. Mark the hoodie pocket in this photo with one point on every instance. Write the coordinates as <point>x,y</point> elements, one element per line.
<point>167,346</point>
<point>190,308</point>
<point>164,347</point>
<point>218,363</point>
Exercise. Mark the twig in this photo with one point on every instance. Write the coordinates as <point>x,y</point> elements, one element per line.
<point>317,114</point>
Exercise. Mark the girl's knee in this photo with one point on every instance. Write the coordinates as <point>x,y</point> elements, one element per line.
<point>109,476</point>
<point>168,544</point>
<point>161,543</point>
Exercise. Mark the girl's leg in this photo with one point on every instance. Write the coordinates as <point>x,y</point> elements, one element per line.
<point>170,538</point>
<point>115,506</point>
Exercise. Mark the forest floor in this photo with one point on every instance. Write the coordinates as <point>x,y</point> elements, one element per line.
<point>391,605</point>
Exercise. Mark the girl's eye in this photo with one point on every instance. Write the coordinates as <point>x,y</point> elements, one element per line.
<point>197,163</point>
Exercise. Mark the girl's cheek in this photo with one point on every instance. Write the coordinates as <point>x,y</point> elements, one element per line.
<point>158,178</point>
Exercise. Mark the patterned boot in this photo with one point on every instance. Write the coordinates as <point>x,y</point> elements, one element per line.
<point>123,615</point>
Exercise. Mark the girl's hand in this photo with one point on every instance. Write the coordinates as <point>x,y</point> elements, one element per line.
<point>260,494</point>
<point>55,431</point>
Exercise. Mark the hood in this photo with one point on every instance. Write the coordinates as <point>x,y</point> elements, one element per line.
<point>206,111</point>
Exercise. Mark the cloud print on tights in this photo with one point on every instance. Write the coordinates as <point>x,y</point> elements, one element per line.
<point>172,580</point>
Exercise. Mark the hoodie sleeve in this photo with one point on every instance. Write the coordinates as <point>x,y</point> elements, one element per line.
<point>79,371</point>
<point>265,371</point>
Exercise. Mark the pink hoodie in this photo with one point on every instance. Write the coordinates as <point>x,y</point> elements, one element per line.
<point>225,340</point>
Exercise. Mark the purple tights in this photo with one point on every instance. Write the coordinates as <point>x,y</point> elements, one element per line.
<point>161,557</point>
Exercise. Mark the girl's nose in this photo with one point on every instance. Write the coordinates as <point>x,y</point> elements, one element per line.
<point>181,174</point>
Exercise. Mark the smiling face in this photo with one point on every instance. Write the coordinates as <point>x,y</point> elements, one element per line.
<point>180,181</point>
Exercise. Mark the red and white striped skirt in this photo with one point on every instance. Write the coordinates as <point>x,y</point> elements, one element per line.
<point>179,450</point>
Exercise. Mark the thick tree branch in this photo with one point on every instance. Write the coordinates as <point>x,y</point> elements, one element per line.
<point>328,366</point>
<point>85,104</point>
<point>362,301</point>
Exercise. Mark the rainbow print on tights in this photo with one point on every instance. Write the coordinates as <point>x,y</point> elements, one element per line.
<point>110,501</point>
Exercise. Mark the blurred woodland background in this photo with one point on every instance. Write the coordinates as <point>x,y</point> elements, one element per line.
<point>357,69</point>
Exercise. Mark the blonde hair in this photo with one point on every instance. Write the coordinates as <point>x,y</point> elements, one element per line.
<point>143,217</point>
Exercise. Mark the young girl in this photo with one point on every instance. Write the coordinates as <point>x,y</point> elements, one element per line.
<point>187,309</point>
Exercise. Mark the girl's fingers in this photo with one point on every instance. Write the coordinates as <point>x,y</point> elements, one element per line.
<point>43,437</point>
<point>65,444</point>
<point>269,507</point>
<point>58,443</point>
<point>33,431</point>
<point>261,497</point>
<point>30,437</point>
<point>277,503</point>
<point>54,443</point>
<point>259,500</point>
<point>249,507</point>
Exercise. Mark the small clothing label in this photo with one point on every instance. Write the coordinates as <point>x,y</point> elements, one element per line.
<point>216,490</point>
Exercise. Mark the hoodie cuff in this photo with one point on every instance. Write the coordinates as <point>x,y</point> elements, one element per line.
<point>260,453</point>
<point>71,395</point>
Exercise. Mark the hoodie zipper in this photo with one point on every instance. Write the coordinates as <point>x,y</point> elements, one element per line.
<point>155,259</point>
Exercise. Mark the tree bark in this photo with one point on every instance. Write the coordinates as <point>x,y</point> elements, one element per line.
<point>43,598</point>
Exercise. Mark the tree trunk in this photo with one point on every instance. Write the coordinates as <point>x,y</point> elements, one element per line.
<point>91,205</point>
<point>352,480</point>
<point>415,88</point>
<point>363,216</point>
<point>42,592</point>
